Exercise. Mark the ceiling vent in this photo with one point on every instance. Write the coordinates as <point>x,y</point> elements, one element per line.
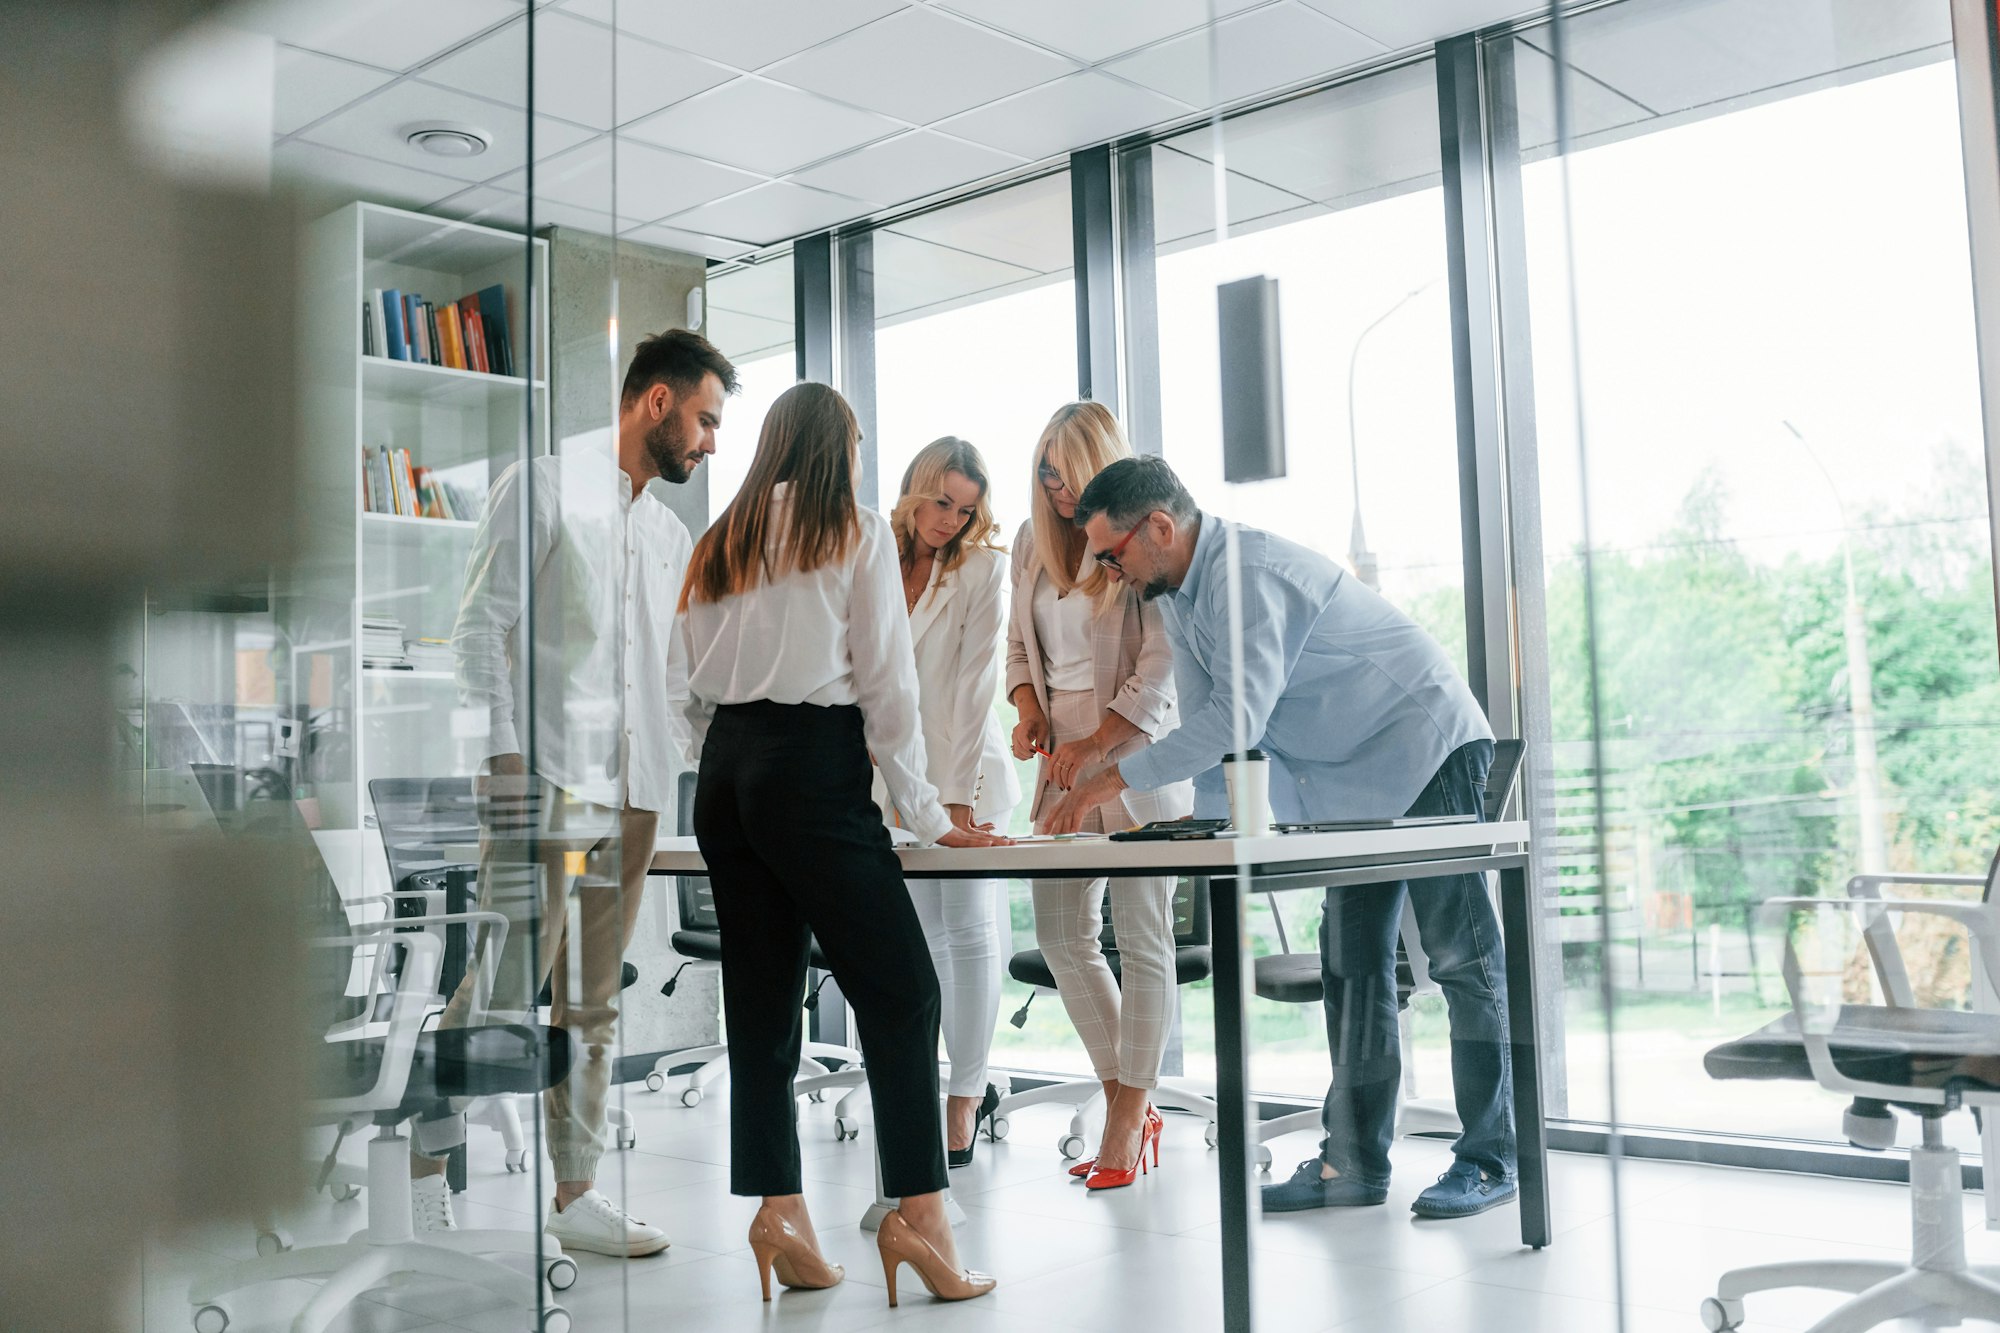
<point>446,138</point>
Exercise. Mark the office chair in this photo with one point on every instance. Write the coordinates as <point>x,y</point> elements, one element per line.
<point>1194,960</point>
<point>697,936</point>
<point>1295,978</point>
<point>1890,1056</point>
<point>386,1080</point>
<point>417,818</point>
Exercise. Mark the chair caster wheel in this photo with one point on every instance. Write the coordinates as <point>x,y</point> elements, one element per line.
<point>345,1193</point>
<point>1070,1146</point>
<point>1263,1158</point>
<point>211,1319</point>
<point>1210,1134</point>
<point>517,1160</point>
<point>997,1127</point>
<point>844,1129</point>
<point>692,1097</point>
<point>1720,1316</point>
<point>555,1319</point>
<point>272,1242</point>
<point>656,1081</point>
<point>561,1273</point>
<point>627,1139</point>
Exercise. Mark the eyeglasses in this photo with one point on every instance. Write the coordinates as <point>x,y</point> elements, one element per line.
<point>1051,479</point>
<point>1110,558</point>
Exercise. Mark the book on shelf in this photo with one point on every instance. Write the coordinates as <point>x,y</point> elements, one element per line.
<point>393,483</point>
<point>467,334</point>
<point>382,644</point>
<point>427,654</point>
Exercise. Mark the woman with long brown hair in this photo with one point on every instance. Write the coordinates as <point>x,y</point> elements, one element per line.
<point>1090,671</point>
<point>799,667</point>
<point>955,586</point>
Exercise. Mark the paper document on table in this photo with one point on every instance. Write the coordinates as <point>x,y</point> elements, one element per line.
<point>1059,837</point>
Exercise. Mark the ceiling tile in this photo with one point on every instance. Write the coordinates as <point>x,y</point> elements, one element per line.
<point>1266,48</point>
<point>1398,24</point>
<point>573,71</point>
<point>651,182</point>
<point>326,175</point>
<point>308,86</point>
<point>377,126</point>
<point>911,274</point>
<point>687,242</point>
<point>1069,113</point>
<point>507,208</point>
<point>392,34</point>
<point>908,167</point>
<point>771,212</point>
<point>743,337</point>
<point>763,126</point>
<point>1593,108</point>
<point>1028,225</point>
<point>1097,30</point>
<point>921,65</point>
<point>748,34</point>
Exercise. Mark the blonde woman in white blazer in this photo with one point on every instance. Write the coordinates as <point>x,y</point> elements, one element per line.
<point>1090,671</point>
<point>954,587</point>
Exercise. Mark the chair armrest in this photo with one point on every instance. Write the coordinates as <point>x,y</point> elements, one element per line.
<point>1883,950</point>
<point>406,1017</point>
<point>1979,921</point>
<point>488,963</point>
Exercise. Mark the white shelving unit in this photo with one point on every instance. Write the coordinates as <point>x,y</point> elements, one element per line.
<point>463,424</point>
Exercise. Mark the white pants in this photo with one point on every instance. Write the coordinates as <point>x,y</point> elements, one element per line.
<point>1124,1028</point>
<point>965,923</point>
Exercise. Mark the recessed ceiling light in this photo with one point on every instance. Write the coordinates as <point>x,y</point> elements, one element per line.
<point>447,138</point>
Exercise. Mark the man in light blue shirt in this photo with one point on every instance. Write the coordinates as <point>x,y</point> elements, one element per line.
<point>1363,716</point>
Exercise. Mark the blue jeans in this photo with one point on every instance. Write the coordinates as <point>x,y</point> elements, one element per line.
<point>1461,937</point>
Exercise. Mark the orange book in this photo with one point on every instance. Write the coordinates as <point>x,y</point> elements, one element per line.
<point>447,334</point>
<point>475,345</point>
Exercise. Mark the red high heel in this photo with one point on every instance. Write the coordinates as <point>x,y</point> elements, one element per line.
<point>1083,1169</point>
<point>1149,1132</point>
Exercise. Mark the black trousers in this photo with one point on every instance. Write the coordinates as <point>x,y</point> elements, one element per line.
<point>797,851</point>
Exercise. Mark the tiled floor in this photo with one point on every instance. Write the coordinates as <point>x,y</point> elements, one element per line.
<point>1142,1258</point>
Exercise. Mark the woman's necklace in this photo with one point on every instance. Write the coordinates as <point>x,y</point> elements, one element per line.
<point>915,579</point>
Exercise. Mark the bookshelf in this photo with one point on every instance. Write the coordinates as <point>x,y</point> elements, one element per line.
<point>376,577</point>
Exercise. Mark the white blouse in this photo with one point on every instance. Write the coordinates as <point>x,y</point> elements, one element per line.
<point>838,635</point>
<point>1063,626</point>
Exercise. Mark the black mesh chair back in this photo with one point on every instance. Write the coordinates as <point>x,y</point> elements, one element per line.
<point>1502,778</point>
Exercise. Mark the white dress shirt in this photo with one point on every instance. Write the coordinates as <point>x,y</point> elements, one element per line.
<point>610,669</point>
<point>1063,625</point>
<point>838,635</point>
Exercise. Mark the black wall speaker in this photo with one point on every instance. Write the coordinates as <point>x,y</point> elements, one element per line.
<point>1253,384</point>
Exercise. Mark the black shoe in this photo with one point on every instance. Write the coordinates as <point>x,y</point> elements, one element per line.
<point>987,1106</point>
<point>1463,1191</point>
<point>1307,1190</point>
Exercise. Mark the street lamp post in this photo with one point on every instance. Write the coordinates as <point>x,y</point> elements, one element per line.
<point>1358,554</point>
<point>1860,689</point>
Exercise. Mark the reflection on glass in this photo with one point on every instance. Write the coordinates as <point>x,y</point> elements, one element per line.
<point>1793,588</point>
<point>750,320</point>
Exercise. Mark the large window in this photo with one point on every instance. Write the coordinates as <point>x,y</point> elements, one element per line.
<point>1788,533</point>
<point>750,320</point>
<point>1338,197</point>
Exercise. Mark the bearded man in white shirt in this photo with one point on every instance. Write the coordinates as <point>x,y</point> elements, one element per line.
<point>574,813</point>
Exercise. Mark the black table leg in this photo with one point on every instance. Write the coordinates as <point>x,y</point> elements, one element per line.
<point>1516,919</point>
<point>1232,1097</point>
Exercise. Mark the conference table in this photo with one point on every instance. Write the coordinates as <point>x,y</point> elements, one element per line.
<point>1234,868</point>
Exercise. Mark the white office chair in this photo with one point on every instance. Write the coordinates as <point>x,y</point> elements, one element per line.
<point>386,1081</point>
<point>1929,1062</point>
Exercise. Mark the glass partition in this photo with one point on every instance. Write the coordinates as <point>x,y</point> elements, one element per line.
<point>1775,391</point>
<point>750,315</point>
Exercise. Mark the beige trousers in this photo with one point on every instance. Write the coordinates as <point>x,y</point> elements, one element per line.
<point>1124,1028</point>
<point>571,906</point>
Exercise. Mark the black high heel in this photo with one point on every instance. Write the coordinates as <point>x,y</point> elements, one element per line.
<point>987,1106</point>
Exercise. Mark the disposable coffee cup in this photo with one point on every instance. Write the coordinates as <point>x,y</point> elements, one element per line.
<point>1249,778</point>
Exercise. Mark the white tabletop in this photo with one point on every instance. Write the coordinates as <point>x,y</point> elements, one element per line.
<point>1054,859</point>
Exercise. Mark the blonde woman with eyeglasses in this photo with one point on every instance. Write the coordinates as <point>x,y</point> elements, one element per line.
<point>954,587</point>
<point>1090,672</point>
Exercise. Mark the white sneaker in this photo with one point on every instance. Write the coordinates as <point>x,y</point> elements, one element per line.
<point>430,1206</point>
<point>592,1222</point>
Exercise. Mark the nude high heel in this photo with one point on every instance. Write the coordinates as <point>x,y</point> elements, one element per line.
<point>776,1243</point>
<point>900,1244</point>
